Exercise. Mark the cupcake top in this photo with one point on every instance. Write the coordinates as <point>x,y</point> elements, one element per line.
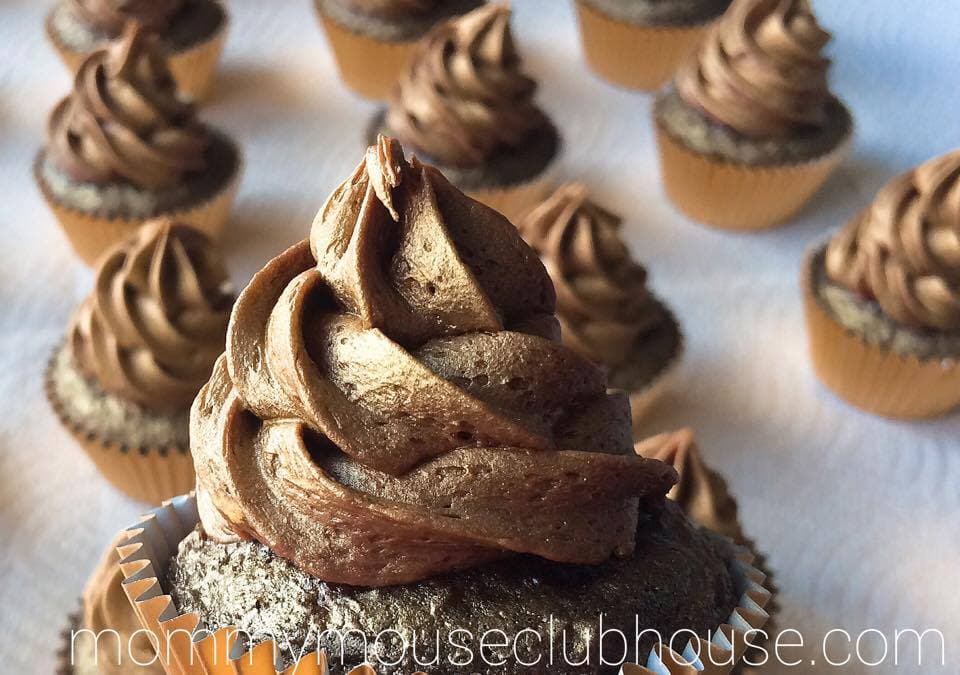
<point>394,401</point>
<point>124,120</point>
<point>904,250</point>
<point>111,16</point>
<point>464,96</point>
<point>761,70</point>
<point>393,8</point>
<point>155,322</point>
<point>603,303</point>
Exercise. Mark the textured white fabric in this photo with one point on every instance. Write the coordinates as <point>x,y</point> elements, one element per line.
<point>861,516</point>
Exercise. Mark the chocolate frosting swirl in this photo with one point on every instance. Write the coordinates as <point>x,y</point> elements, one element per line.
<point>112,16</point>
<point>464,97</point>
<point>904,251</point>
<point>124,120</point>
<point>394,402</point>
<point>603,303</point>
<point>393,8</point>
<point>761,70</point>
<point>156,320</point>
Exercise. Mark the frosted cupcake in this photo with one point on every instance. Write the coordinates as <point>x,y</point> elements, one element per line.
<point>750,130</point>
<point>465,106</point>
<point>192,32</point>
<point>123,148</point>
<point>137,351</point>
<point>372,40</point>
<point>607,312</point>
<point>883,298</point>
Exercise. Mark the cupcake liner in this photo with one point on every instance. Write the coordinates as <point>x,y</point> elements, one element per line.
<point>90,234</point>
<point>871,377</point>
<point>151,544</point>
<point>634,56</point>
<point>642,400</point>
<point>193,68</point>
<point>148,474</point>
<point>738,196</point>
<point>516,201</point>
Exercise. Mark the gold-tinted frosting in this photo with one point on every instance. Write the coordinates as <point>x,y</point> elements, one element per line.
<point>124,120</point>
<point>464,97</point>
<point>394,401</point>
<point>700,491</point>
<point>761,70</point>
<point>112,16</point>
<point>603,303</point>
<point>393,8</point>
<point>904,250</point>
<point>156,320</point>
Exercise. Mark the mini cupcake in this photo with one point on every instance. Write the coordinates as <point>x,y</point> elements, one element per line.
<point>465,106</point>
<point>372,40</point>
<point>749,130</point>
<point>124,148</point>
<point>138,350</point>
<point>396,440</point>
<point>883,298</point>
<point>606,311</point>
<point>192,33</point>
<point>639,43</point>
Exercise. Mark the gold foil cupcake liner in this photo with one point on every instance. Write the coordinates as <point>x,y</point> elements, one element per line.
<point>871,377</point>
<point>193,69</point>
<point>149,474</point>
<point>740,197</point>
<point>90,234</point>
<point>634,56</point>
<point>151,544</point>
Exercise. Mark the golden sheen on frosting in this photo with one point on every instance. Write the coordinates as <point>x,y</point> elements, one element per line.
<point>904,251</point>
<point>112,15</point>
<point>124,120</point>
<point>603,303</point>
<point>761,70</point>
<point>464,97</point>
<point>156,320</point>
<point>394,401</point>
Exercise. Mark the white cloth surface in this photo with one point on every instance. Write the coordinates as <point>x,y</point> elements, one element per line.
<point>860,516</point>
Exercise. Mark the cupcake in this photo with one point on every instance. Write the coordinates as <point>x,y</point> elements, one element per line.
<point>106,637</point>
<point>749,129</point>
<point>606,311</point>
<point>137,352</point>
<point>465,106</point>
<point>639,43</point>
<point>372,40</point>
<point>882,298</point>
<point>395,443</point>
<point>123,148</point>
<point>192,33</point>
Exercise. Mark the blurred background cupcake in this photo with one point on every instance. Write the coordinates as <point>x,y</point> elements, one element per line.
<point>372,40</point>
<point>192,33</point>
<point>138,350</point>
<point>605,308</point>
<point>883,298</point>
<point>639,43</point>
<point>750,130</point>
<point>123,148</point>
<point>465,106</point>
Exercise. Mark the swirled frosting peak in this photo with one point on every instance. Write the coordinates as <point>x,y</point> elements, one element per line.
<point>761,70</point>
<point>394,402</point>
<point>156,320</point>
<point>603,303</point>
<point>113,15</point>
<point>904,251</point>
<point>464,97</point>
<point>124,120</point>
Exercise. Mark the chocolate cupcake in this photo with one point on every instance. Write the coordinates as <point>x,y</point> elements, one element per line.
<point>606,311</point>
<point>750,130</point>
<point>192,33</point>
<point>137,352</point>
<point>372,40</point>
<point>396,440</point>
<point>465,106</point>
<point>639,43</point>
<point>123,148</point>
<point>883,298</point>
